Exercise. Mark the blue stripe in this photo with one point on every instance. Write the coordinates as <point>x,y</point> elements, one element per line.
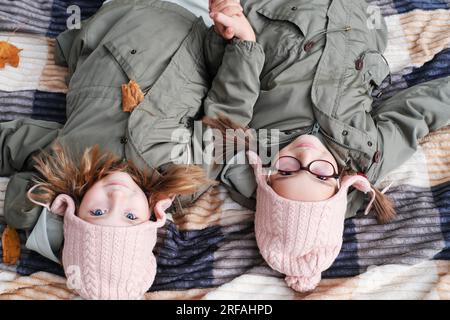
<point>25,16</point>
<point>31,262</point>
<point>439,67</point>
<point>49,106</point>
<point>404,6</point>
<point>186,258</point>
<point>34,104</point>
<point>16,104</point>
<point>442,196</point>
<point>59,17</point>
<point>346,264</point>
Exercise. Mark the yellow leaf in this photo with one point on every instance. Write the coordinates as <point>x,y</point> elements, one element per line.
<point>9,54</point>
<point>10,246</point>
<point>132,95</point>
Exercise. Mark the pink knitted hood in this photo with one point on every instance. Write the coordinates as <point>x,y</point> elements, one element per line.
<point>103,262</point>
<point>301,239</point>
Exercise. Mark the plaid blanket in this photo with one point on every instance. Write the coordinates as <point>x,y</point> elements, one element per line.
<point>210,252</point>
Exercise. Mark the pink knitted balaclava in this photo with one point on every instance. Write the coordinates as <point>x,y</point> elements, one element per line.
<point>103,262</point>
<point>301,239</point>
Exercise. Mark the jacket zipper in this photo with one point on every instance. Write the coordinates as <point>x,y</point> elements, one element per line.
<point>315,128</point>
<point>299,133</point>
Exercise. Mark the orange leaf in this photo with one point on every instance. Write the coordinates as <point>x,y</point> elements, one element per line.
<point>132,95</point>
<point>9,54</point>
<point>10,246</point>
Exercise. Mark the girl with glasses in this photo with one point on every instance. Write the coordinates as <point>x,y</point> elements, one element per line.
<point>323,60</point>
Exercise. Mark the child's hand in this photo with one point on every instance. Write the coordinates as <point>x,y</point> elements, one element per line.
<point>229,21</point>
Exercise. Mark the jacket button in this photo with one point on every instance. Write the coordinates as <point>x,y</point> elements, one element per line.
<point>294,8</point>
<point>359,64</point>
<point>133,51</point>
<point>345,133</point>
<point>377,157</point>
<point>308,46</point>
<point>124,140</point>
<point>369,144</point>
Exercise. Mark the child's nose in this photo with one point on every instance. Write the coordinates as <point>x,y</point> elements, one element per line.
<point>118,199</point>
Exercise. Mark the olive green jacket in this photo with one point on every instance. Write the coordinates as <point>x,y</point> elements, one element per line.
<point>323,59</point>
<point>158,44</point>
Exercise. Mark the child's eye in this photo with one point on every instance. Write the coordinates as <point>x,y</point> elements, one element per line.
<point>322,178</point>
<point>131,216</point>
<point>284,173</point>
<point>97,212</point>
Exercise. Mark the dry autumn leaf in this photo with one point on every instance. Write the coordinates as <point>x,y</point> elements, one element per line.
<point>9,54</point>
<point>10,246</point>
<point>132,95</point>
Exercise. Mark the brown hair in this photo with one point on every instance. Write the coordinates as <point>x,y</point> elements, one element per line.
<point>62,173</point>
<point>223,123</point>
<point>383,206</point>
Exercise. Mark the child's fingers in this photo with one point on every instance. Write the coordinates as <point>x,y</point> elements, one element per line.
<point>216,2</point>
<point>224,6</point>
<point>219,29</point>
<point>222,19</point>
<point>221,5</point>
<point>229,33</point>
<point>232,11</point>
<point>213,4</point>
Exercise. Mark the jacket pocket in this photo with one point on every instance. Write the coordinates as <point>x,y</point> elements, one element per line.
<point>180,89</point>
<point>172,83</point>
<point>160,139</point>
<point>373,68</point>
<point>282,24</point>
<point>285,15</point>
<point>144,59</point>
<point>127,58</point>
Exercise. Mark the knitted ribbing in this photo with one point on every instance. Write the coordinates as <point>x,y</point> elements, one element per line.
<point>112,262</point>
<point>300,239</point>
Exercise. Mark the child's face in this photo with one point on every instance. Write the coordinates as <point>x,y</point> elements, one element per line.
<point>115,200</point>
<point>304,186</point>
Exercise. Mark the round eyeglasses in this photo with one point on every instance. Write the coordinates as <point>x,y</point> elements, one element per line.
<point>322,169</point>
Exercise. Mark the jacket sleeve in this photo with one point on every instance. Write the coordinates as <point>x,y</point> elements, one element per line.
<point>407,117</point>
<point>71,48</point>
<point>74,46</point>
<point>19,139</point>
<point>214,49</point>
<point>20,213</point>
<point>235,87</point>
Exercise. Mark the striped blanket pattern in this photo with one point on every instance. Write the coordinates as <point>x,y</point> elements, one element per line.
<point>210,251</point>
